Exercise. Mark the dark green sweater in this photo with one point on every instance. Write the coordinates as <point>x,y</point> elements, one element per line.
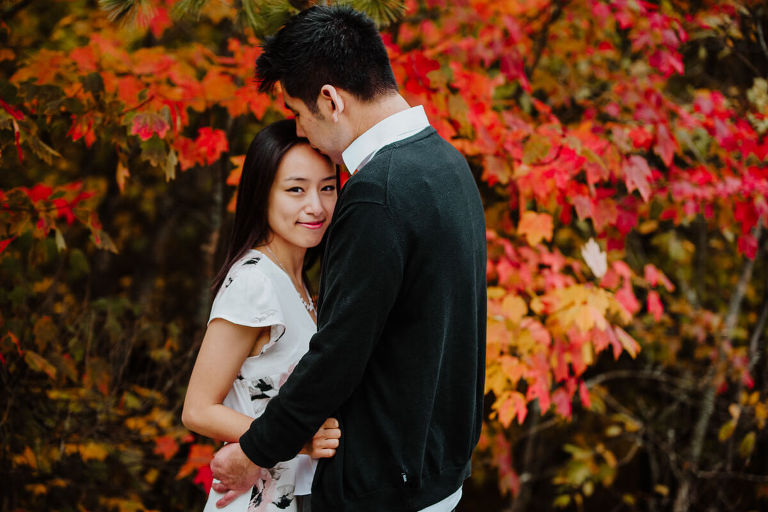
<point>399,356</point>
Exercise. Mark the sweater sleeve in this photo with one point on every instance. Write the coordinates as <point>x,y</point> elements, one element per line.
<point>364,263</point>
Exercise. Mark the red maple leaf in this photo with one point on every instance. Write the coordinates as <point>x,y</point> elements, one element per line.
<point>15,113</point>
<point>211,144</point>
<point>637,175</point>
<point>4,243</point>
<point>166,446</point>
<point>39,192</point>
<point>666,145</point>
<point>146,124</point>
<point>654,305</point>
<point>204,477</point>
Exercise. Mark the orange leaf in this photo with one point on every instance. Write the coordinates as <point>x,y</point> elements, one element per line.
<point>509,406</point>
<point>199,455</point>
<point>535,227</point>
<point>234,176</point>
<point>121,175</point>
<point>39,363</point>
<point>627,341</point>
<point>166,446</point>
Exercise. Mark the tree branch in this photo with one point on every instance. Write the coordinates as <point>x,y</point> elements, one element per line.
<point>541,40</point>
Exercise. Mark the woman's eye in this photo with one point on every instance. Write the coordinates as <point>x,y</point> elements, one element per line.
<point>329,188</point>
<point>295,189</point>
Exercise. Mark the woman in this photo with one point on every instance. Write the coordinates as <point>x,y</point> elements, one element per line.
<point>263,315</point>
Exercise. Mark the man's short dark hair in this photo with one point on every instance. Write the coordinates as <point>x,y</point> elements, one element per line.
<point>333,45</point>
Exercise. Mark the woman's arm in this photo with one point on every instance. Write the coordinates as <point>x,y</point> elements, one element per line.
<point>224,348</point>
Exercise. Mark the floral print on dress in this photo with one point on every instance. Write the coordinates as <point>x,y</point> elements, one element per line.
<point>267,491</point>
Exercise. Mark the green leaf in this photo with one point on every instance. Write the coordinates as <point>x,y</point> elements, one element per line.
<point>536,149</point>
<point>747,445</point>
<point>726,431</point>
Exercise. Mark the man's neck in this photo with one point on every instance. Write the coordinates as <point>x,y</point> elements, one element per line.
<point>371,113</point>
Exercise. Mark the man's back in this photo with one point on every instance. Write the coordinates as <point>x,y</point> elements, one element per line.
<point>405,267</point>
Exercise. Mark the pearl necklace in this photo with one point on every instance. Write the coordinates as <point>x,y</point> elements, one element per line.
<point>310,307</point>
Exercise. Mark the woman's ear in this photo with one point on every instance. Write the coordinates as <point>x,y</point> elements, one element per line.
<point>334,100</point>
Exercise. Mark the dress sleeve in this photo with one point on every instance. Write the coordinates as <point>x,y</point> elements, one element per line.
<point>247,297</point>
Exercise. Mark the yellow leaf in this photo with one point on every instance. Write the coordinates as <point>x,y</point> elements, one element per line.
<point>726,431</point>
<point>151,476</point>
<point>761,414</point>
<point>495,292</point>
<point>36,489</point>
<point>513,368</point>
<point>629,344</point>
<point>514,308</point>
<point>42,285</point>
<point>661,489</point>
<point>93,451</point>
<point>535,227</point>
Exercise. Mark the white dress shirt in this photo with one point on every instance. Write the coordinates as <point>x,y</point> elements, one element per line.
<point>396,127</point>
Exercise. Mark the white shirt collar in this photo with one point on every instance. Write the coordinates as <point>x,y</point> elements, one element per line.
<point>396,127</point>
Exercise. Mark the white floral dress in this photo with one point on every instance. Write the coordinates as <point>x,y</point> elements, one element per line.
<point>257,293</point>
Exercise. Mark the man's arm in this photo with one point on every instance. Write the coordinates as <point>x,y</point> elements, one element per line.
<point>363,273</point>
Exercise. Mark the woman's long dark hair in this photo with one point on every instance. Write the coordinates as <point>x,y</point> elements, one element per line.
<point>251,227</point>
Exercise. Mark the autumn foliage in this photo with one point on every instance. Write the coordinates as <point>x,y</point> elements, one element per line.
<point>621,152</point>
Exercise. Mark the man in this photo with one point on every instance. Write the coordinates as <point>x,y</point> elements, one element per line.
<point>400,350</point>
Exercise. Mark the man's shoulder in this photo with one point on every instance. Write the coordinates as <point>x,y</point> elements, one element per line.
<point>400,163</point>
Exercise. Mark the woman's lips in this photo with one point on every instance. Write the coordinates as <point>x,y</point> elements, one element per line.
<point>312,225</point>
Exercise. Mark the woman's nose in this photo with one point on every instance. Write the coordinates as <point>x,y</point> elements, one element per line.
<point>314,204</point>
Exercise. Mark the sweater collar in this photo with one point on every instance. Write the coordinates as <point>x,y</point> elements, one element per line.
<point>398,126</point>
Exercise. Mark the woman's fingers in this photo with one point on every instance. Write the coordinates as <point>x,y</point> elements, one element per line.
<point>330,423</point>
<point>326,440</point>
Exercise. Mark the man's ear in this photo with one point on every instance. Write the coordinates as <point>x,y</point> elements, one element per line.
<point>334,100</point>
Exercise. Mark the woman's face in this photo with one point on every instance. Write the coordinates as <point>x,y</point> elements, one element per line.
<point>302,198</point>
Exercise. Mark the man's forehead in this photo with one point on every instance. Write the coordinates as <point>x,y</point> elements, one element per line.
<point>290,102</point>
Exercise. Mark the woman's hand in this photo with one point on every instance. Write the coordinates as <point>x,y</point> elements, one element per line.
<point>324,443</point>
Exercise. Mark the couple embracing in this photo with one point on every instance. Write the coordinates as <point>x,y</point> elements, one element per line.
<point>373,399</point>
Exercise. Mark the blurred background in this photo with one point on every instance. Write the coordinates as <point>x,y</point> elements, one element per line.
<point>620,149</point>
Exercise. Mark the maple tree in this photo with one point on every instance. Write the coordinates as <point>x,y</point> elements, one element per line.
<point>620,148</point>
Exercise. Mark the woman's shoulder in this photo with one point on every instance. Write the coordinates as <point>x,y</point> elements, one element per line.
<point>248,293</point>
<point>253,266</point>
